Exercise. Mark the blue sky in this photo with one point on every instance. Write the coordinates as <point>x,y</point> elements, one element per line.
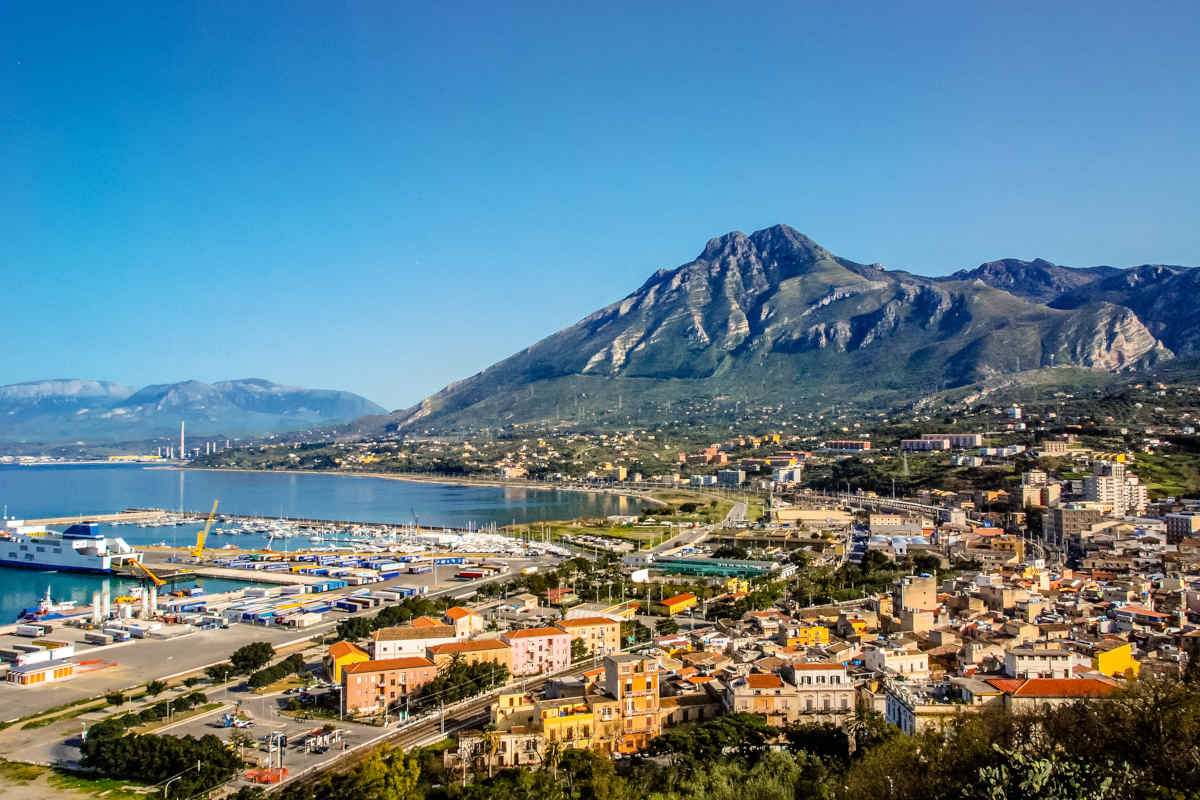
<point>385,197</point>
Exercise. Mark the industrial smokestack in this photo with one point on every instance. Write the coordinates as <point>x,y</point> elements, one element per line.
<point>181,450</point>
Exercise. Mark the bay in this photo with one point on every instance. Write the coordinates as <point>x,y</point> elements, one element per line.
<point>32,492</point>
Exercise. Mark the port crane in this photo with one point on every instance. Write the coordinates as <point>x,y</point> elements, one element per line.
<point>198,550</point>
<point>157,581</point>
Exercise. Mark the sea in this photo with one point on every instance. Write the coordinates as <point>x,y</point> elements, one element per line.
<point>33,492</point>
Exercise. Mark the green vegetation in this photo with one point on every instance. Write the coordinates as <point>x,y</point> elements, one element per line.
<point>147,758</point>
<point>250,657</point>
<point>1143,744</point>
<point>460,680</point>
<point>293,664</point>
<point>408,609</point>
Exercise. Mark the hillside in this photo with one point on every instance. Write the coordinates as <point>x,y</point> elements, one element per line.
<point>100,411</point>
<point>775,318</point>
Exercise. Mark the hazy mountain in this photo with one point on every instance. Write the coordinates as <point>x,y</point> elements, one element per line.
<point>87,410</point>
<point>775,316</point>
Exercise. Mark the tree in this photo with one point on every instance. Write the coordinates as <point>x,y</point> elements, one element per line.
<point>666,627</point>
<point>155,688</point>
<point>579,650</point>
<point>115,698</point>
<point>250,657</point>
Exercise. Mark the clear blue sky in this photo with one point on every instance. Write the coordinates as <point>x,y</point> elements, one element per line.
<point>385,197</point>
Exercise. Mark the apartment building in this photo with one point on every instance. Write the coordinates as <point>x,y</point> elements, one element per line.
<point>1182,526</point>
<point>1037,662</point>
<point>600,635</point>
<point>369,687</point>
<point>473,651</point>
<point>466,622</point>
<point>409,640</point>
<point>887,658</point>
<point>538,650</point>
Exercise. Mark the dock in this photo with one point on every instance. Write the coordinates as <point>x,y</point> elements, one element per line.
<point>129,515</point>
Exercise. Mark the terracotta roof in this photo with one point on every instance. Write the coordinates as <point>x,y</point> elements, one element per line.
<point>1054,687</point>
<point>408,632</point>
<point>586,622</point>
<point>412,662</point>
<point>1142,611</point>
<point>343,649</point>
<point>761,681</point>
<point>817,666</point>
<point>426,622</point>
<point>458,612</point>
<point>529,633</point>
<point>472,646</point>
<point>679,598</point>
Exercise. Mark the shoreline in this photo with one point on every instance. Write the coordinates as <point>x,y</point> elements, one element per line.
<point>498,483</point>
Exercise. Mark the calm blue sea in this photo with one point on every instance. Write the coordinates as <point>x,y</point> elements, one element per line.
<point>62,490</point>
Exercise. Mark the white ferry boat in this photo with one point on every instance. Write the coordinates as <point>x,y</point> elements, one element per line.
<point>80,548</point>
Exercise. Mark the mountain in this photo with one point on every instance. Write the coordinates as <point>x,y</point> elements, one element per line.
<point>1038,280</point>
<point>775,317</point>
<point>88,410</point>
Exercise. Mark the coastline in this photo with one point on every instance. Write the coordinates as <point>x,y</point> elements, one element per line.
<point>437,480</point>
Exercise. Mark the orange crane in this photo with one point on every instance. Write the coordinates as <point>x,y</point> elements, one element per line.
<point>157,580</point>
<point>198,550</point>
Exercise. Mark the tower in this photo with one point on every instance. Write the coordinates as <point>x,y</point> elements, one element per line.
<point>181,450</point>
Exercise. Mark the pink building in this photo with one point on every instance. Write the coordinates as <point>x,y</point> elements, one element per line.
<point>537,650</point>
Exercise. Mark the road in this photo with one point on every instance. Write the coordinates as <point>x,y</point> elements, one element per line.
<point>134,663</point>
<point>691,537</point>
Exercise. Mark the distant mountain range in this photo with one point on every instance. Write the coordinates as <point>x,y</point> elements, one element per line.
<point>103,411</point>
<point>775,316</point>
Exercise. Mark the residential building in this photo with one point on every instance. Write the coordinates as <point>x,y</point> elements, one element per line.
<point>472,651</point>
<point>885,658</point>
<point>369,687</point>
<point>767,695</point>
<point>824,689</point>
<point>600,635</point>
<point>731,477</point>
<point>632,681</point>
<point>916,592</point>
<point>1062,524</point>
<point>1182,526</point>
<point>466,622</point>
<point>340,654</point>
<point>539,650</point>
<point>1115,659</point>
<point>923,445</point>
<point>409,640</point>
<point>848,445</point>
<point>958,441</point>
<point>1111,485</point>
<point>1037,662</point>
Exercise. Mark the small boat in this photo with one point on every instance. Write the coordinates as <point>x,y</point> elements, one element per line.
<point>47,608</point>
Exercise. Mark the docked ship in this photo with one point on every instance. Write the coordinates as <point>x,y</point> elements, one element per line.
<point>80,548</point>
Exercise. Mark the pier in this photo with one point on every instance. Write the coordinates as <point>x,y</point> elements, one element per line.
<point>128,515</point>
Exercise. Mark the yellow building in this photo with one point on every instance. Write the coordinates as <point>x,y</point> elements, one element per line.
<point>677,604</point>
<point>600,635</point>
<point>342,654</point>
<point>808,637</point>
<point>735,585</point>
<point>1116,660</point>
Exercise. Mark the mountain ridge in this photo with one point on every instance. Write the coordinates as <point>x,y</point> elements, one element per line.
<point>68,409</point>
<point>775,313</point>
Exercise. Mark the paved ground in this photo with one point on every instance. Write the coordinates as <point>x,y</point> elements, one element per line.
<point>134,663</point>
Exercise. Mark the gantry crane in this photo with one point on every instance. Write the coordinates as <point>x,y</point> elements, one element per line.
<point>198,550</point>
